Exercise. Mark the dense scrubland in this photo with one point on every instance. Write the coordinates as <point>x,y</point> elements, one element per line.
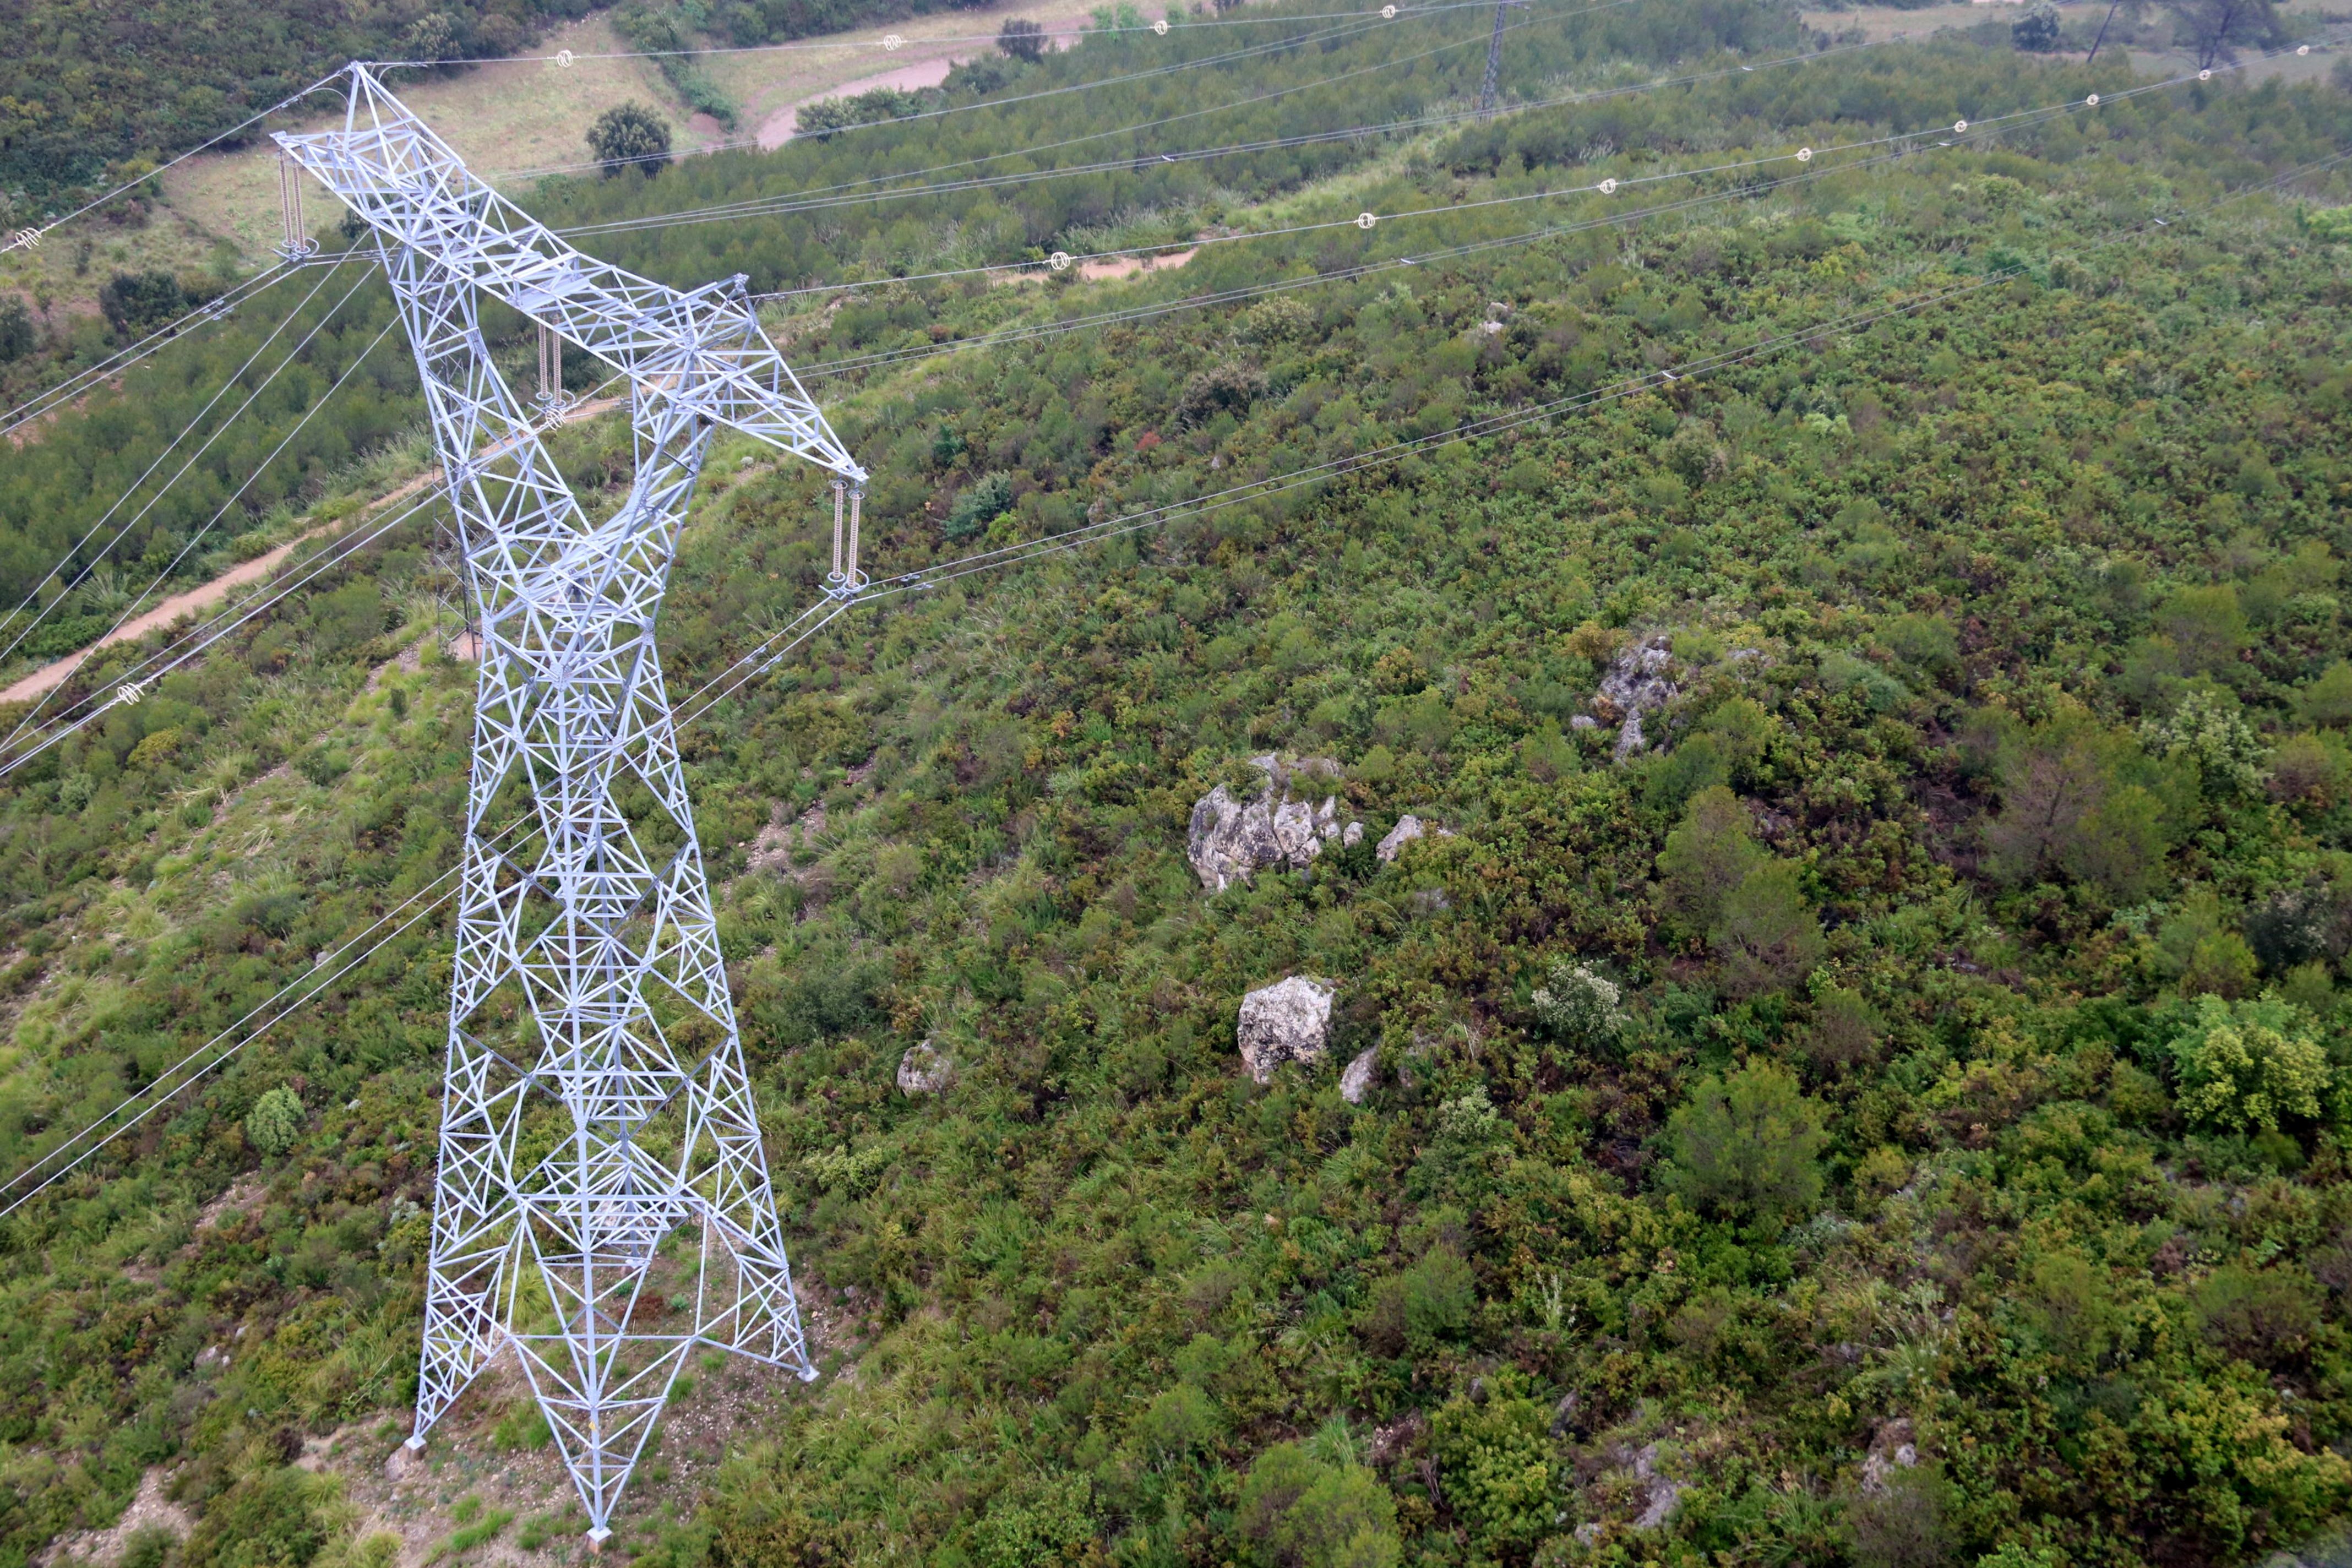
<point>1898,1117</point>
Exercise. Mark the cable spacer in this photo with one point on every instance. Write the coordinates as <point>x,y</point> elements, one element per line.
<point>1366,220</point>
<point>1607,187</point>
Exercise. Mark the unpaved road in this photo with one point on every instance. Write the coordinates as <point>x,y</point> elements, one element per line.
<point>51,676</point>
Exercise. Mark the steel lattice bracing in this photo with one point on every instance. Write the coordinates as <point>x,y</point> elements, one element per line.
<point>602,1203</point>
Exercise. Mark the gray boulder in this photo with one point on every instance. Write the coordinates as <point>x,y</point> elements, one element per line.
<point>1283,824</point>
<point>924,1070</point>
<point>1288,1021</point>
<point>1356,1082</point>
<point>1407,829</point>
<point>1638,681</point>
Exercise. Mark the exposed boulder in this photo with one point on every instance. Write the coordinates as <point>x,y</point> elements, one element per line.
<point>1282,825</point>
<point>1357,1080</point>
<point>924,1070</point>
<point>1407,829</point>
<point>1638,681</point>
<point>1288,1021</point>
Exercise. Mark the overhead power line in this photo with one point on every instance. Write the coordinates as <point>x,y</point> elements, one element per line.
<point>784,205</point>
<point>765,654</point>
<point>192,457</point>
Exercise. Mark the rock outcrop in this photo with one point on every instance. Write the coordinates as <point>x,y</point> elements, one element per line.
<point>1356,1081</point>
<point>1282,825</point>
<point>1637,682</point>
<point>924,1070</point>
<point>1407,829</point>
<point>1288,1021</point>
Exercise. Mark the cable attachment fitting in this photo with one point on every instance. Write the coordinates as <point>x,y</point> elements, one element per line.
<point>554,403</point>
<point>836,577</point>
<point>295,243</point>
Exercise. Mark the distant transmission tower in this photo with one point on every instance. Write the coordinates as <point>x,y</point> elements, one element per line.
<point>1494,60</point>
<point>603,1204</point>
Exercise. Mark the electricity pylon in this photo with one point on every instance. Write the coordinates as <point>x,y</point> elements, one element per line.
<point>1494,60</point>
<point>601,1205</point>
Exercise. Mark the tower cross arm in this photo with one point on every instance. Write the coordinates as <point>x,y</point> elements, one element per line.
<point>704,349</point>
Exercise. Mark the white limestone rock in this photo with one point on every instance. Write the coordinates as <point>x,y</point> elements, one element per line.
<point>924,1070</point>
<point>1407,829</point>
<point>1638,681</point>
<point>1288,1021</point>
<point>1230,840</point>
<point>1357,1080</point>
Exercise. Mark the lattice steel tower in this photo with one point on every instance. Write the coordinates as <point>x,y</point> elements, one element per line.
<point>601,1205</point>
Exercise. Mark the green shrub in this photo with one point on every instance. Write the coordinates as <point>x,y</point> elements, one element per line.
<point>2245,1065</point>
<point>1747,1147</point>
<point>271,1519</point>
<point>275,1121</point>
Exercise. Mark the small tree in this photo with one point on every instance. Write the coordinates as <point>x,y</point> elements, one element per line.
<point>275,1121</point>
<point>1023,40</point>
<point>630,136</point>
<point>15,329</point>
<point>2036,33</point>
<point>139,302</point>
<point>1747,1147</point>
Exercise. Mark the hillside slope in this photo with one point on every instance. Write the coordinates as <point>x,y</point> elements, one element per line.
<point>1895,1114</point>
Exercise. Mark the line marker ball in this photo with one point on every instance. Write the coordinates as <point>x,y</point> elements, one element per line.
<point>1388,13</point>
<point>1959,126</point>
<point>1365,220</point>
<point>1804,154</point>
<point>1608,187</point>
<point>2204,76</point>
<point>2092,101</point>
<point>2302,48</point>
<point>1161,26</point>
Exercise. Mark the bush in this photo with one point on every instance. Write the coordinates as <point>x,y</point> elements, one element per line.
<point>136,303</point>
<point>1296,1511</point>
<point>2265,1316</point>
<point>1747,1147</point>
<point>271,1519</point>
<point>17,337</point>
<point>1021,39</point>
<point>2247,1066</point>
<point>630,136</point>
<point>1577,1006</point>
<point>989,498</point>
<point>275,1121</point>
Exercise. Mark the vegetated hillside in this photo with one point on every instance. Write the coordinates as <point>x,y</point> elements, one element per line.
<point>58,491</point>
<point>89,97</point>
<point>1957,1175</point>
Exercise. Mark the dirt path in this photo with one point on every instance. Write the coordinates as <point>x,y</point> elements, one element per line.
<point>929,69</point>
<point>51,676</point>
